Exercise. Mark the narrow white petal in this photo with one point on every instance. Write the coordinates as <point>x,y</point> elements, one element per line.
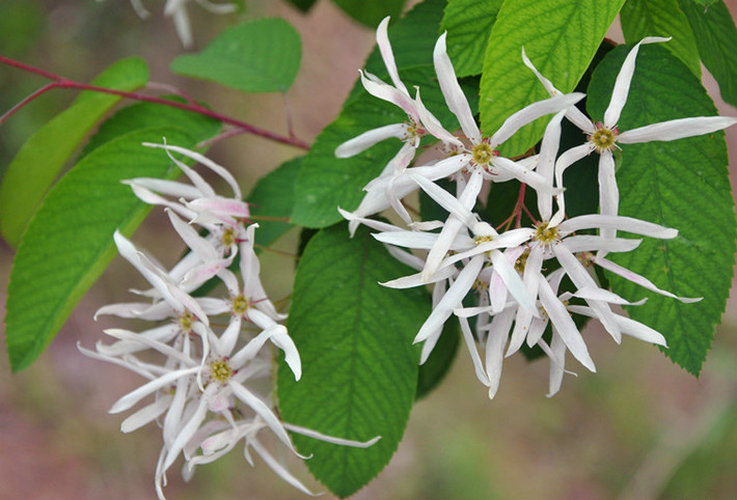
<point>563,322</point>
<point>364,141</point>
<point>452,92</point>
<point>135,396</point>
<point>385,48</point>
<point>495,345</point>
<point>447,200</point>
<point>619,223</point>
<point>280,470</point>
<point>473,350</point>
<point>386,92</point>
<point>263,411</point>
<point>532,112</point>
<point>676,129</point>
<point>433,125</point>
<point>146,414</point>
<point>608,191</point>
<point>639,280</point>
<point>330,439</point>
<point>546,163</point>
<point>622,83</point>
<point>591,243</point>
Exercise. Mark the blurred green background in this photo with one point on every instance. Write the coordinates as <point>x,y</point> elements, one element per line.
<point>640,428</point>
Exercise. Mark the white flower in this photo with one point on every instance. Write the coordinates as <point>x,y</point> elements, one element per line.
<point>605,136</point>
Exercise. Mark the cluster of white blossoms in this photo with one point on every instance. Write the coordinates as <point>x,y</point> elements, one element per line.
<point>209,373</point>
<point>514,276</point>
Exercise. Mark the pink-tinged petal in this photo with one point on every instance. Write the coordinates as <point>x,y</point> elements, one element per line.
<point>473,350</point>
<point>608,191</point>
<point>385,48</point>
<point>565,326</point>
<point>495,344</point>
<point>676,129</point>
<point>151,198</point>
<point>162,186</point>
<point>622,83</point>
<point>619,223</point>
<point>532,112</point>
<point>221,207</point>
<point>451,300</point>
<point>386,92</point>
<point>433,125</point>
<point>193,176</point>
<point>591,243</point>
<point>263,411</point>
<point>640,280</point>
<point>454,97</point>
<point>148,388</point>
<point>146,414</point>
<point>364,141</point>
<point>546,163</point>
<point>203,272</point>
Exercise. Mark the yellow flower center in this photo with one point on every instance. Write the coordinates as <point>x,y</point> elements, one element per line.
<point>221,371</point>
<point>519,264</point>
<point>186,321</point>
<point>481,154</point>
<point>240,305</point>
<point>482,239</point>
<point>546,235</point>
<point>604,138</point>
<point>228,237</point>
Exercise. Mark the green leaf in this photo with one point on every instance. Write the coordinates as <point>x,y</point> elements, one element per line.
<point>641,18</point>
<point>45,153</point>
<point>258,56</point>
<point>359,366</point>
<point>273,197</point>
<point>148,115</point>
<point>716,38</point>
<point>468,23</point>
<point>370,13</point>
<point>559,36</point>
<point>682,184</point>
<point>69,241</point>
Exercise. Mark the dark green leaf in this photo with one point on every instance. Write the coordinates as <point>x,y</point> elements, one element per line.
<point>355,341</point>
<point>257,56</point>
<point>370,13</point>
<point>69,241</point>
<point>273,197</point>
<point>468,23</point>
<point>716,38</point>
<point>45,153</point>
<point>641,18</point>
<point>559,36</point>
<point>682,184</point>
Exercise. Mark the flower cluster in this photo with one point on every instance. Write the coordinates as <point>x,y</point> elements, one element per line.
<point>513,278</point>
<point>209,382</point>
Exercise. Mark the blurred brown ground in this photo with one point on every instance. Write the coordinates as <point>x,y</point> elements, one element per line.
<point>640,428</point>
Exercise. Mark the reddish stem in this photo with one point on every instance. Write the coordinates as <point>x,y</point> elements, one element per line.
<point>193,107</point>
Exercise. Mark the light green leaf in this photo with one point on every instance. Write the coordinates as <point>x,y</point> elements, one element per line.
<point>716,38</point>
<point>273,197</point>
<point>641,18</point>
<point>559,36</point>
<point>682,184</point>
<point>468,23</point>
<point>258,56</point>
<point>69,242</point>
<point>45,153</point>
<point>370,13</point>
<point>359,366</point>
